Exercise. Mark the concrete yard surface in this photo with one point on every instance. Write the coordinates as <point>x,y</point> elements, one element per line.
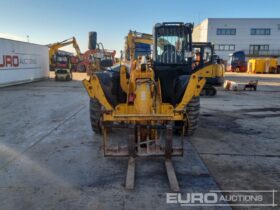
<point>239,137</point>
<point>51,159</point>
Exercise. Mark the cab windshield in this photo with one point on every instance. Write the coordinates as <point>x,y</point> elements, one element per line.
<point>62,59</point>
<point>172,43</point>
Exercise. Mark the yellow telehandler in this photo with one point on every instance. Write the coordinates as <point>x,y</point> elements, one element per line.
<point>150,97</point>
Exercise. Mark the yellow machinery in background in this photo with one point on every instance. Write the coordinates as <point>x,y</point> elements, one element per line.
<point>137,44</point>
<point>262,65</point>
<point>151,98</point>
<point>54,47</point>
<point>203,56</point>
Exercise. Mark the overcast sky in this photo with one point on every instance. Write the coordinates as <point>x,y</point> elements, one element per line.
<point>50,21</point>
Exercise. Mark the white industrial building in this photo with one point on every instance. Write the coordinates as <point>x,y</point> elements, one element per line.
<point>22,62</point>
<point>255,36</point>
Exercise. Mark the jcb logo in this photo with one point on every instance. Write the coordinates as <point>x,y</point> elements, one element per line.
<point>9,61</point>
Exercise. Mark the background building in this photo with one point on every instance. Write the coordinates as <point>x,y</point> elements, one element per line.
<point>255,36</point>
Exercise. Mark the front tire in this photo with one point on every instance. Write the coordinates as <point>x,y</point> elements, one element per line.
<point>95,116</point>
<point>191,120</point>
<point>192,116</point>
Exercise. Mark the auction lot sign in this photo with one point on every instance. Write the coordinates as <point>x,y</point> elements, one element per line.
<point>22,62</point>
<point>18,61</point>
<point>246,198</point>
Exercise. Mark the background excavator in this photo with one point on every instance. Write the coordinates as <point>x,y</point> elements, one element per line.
<point>54,48</point>
<point>150,97</point>
<point>63,64</point>
<point>96,57</point>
